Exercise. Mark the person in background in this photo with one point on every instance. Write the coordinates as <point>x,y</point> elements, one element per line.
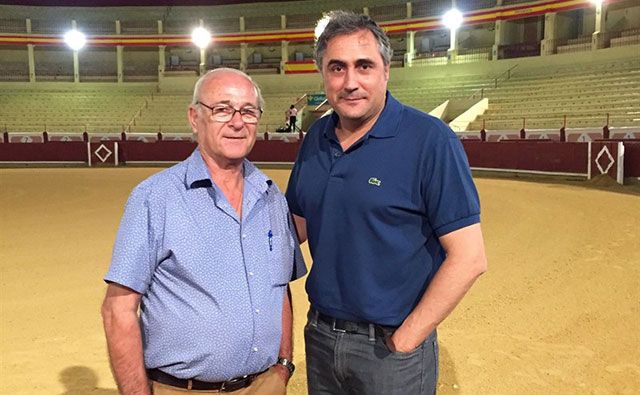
<point>292,114</point>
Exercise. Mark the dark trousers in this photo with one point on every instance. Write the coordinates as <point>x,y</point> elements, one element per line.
<point>354,363</point>
<point>292,124</point>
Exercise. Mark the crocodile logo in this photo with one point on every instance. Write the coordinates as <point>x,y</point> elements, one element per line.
<point>375,181</point>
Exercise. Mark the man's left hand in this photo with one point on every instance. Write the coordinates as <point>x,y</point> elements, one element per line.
<point>401,344</point>
<point>283,372</point>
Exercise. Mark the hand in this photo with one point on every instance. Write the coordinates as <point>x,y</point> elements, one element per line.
<point>283,372</point>
<point>397,343</point>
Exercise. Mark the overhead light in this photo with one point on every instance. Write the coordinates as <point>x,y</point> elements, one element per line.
<point>75,39</point>
<point>201,37</point>
<point>452,19</point>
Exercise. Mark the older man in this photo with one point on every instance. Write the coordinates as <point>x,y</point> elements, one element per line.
<point>385,195</point>
<point>205,252</point>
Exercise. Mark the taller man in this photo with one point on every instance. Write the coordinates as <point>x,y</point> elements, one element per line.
<point>385,195</point>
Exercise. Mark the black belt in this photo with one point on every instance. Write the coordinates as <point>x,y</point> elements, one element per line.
<point>362,328</point>
<point>223,386</point>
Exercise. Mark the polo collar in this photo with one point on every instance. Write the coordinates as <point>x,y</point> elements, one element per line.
<point>387,124</point>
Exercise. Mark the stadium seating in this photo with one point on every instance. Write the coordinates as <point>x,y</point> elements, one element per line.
<point>67,108</point>
<point>427,93</point>
<point>586,94</point>
<point>168,113</point>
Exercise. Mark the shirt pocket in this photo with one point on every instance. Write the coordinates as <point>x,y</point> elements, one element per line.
<point>280,260</point>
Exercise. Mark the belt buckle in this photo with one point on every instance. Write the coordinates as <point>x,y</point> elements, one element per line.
<point>333,327</point>
<point>234,384</point>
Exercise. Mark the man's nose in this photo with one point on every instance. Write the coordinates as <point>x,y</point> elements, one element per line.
<point>236,120</point>
<point>351,82</point>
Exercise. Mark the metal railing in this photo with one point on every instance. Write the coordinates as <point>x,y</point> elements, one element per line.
<point>137,114</point>
<point>505,76</point>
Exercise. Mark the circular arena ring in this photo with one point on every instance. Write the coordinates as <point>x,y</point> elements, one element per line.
<point>556,313</point>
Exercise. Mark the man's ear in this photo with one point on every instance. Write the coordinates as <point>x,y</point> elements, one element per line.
<point>192,115</point>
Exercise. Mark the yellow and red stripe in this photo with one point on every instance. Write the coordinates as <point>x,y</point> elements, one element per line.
<point>300,67</point>
<point>395,27</point>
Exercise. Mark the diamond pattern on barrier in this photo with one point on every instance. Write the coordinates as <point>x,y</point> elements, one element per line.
<point>584,137</point>
<point>603,151</point>
<point>102,156</point>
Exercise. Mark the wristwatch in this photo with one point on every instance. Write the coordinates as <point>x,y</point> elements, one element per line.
<point>287,364</point>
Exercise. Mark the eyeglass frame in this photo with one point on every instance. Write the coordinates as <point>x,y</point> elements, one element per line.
<point>235,110</point>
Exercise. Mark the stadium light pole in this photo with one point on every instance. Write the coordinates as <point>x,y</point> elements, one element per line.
<point>452,19</point>
<point>75,40</point>
<point>597,39</point>
<point>201,38</point>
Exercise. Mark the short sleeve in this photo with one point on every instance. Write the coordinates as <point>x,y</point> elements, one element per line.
<point>451,197</point>
<point>299,266</point>
<point>292,186</point>
<point>133,259</point>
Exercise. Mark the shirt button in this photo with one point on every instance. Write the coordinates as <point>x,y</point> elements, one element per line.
<point>244,236</point>
<point>337,154</point>
<point>257,311</point>
<point>255,349</point>
<point>251,273</point>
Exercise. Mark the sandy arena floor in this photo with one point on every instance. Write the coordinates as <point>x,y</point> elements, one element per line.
<point>557,313</point>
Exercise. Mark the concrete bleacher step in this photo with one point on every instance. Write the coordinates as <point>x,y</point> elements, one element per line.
<point>554,123</point>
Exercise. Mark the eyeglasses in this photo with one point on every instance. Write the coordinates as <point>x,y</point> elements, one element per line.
<point>224,113</point>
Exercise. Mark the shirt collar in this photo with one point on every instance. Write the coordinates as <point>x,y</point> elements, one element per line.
<point>386,125</point>
<point>197,174</point>
<point>255,177</point>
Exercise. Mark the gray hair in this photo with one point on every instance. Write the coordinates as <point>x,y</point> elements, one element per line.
<point>346,22</point>
<point>212,73</point>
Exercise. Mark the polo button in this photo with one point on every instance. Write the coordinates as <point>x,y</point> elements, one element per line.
<point>257,311</point>
<point>255,349</point>
<point>251,273</point>
<point>244,236</point>
<point>337,154</point>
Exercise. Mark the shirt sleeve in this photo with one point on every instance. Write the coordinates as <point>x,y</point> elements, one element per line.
<point>133,259</point>
<point>292,186</point>
<point>299,266</point>
<point>452,200</point>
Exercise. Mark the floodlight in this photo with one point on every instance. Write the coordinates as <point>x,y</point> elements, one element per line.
<point>75,39</point>
<point>320,26</point>
<point>452,19</point>
<point>201,37</point>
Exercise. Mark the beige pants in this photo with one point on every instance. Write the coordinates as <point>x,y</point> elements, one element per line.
<point>268,383</point>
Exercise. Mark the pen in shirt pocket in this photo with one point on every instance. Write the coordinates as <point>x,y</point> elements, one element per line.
<point>270,236</point>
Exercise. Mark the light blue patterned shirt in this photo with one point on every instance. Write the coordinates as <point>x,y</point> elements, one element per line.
<point>212,285</point>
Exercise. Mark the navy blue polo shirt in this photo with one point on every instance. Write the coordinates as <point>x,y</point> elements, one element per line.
<point>375,211</point>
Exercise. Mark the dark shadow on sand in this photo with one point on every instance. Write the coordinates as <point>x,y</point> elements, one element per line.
<point>80,380</point>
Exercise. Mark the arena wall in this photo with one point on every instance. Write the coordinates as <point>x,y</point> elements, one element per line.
<point>618,158</point>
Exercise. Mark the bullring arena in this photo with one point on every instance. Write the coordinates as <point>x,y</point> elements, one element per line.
<point>556,313</point>
<point>544,96</point>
